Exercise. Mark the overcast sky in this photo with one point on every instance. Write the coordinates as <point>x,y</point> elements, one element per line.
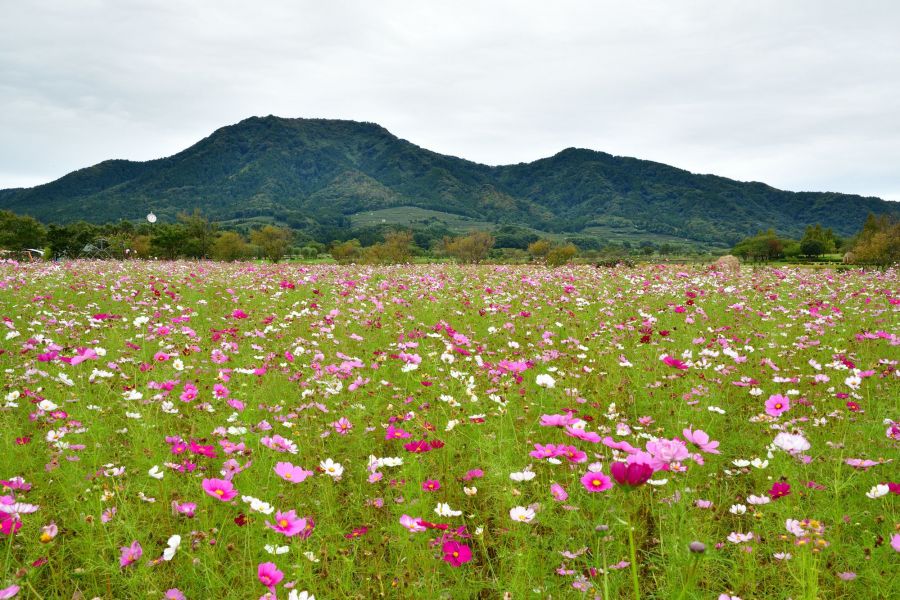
<point>801,95</point>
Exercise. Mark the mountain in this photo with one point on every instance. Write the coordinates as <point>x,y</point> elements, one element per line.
<point>316,174</point>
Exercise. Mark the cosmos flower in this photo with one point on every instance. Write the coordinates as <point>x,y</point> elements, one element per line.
<point>291,473</point>
<point>455,553</point>
<point>269,575</point>
<point>521,514</point>
<point>777,404</point>
<point>220,489</point>
<point>130,554</point>
<point>596,482</point>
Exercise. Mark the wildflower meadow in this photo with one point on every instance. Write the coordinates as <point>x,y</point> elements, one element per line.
<point>209,430</point>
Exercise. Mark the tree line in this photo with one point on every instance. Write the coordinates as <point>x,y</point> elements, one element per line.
<point>877,243</point>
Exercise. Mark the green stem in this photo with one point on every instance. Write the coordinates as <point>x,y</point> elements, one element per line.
<point>12,532</point>
<point>634,572</point>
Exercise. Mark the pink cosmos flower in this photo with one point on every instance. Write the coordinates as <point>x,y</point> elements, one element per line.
<point>9,592</point>
<point>431,485</point>
<point>456,554</point>
<point>701,439</point>
<point>559,493</point>
<point>632,474</point>
<point>665,452</point>
<point>342,426</point>
<point>291,473</point>
<point>287,523</point>
<point>269,575</point>
<point>184,508</point>
<point>473,474</point>
<point>895,542</point>
<point>220,489</point>
<point>412,524</point>
<point>596,482</point>
<point>777,404</point>
<point>130,554</point>
<point>174,594</point>
<point>674,362</point>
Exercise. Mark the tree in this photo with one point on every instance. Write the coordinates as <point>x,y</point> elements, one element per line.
<point>472,248</point>
<point>346,252</point>
<point>540,248</point>
<point>168,240</point>
<point>817,241</point>
<point>879,241</point>
<point>395,249</point>
<point>273,241</point>
<point>20,232</point>
<point>200,234</point>
<point>229,246</point>
<point>560,255</point>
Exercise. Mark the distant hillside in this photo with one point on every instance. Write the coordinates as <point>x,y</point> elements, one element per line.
<point>316,173</point>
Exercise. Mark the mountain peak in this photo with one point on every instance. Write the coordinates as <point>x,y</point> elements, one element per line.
<point>321,174</point>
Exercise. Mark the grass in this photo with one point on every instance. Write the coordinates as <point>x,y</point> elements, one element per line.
<point>313,330</point>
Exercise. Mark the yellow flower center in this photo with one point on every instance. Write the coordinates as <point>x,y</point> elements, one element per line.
<point>283,522</point>
<point>287,475</point>
<point>596,482</point>
<point>220,492</point>
<point>455,554</point>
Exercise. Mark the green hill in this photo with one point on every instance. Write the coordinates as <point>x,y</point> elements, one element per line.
<point>316,174</point>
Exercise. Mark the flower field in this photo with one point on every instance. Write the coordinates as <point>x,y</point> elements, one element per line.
<point>203,430</point>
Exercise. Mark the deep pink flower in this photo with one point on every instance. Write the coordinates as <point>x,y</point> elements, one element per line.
<point>779,490</point>
<point>130,554</point>
<point>632,474</point>
<point>269,575</point>
<point>456,554</point>
<point>596,482</point>
<point>431,485</point>
<point>220,489</point>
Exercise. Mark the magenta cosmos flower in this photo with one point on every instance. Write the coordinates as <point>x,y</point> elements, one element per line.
<point>269,575</point>
<point>596,482</point>
<point>559,492</point>
<point>431,485</point>
<point>456,554</point>
<point>220,489</point>
<point>779,490</point>
<point>632,474</point>
<point>287,523</point>
<point>130,554</point>
<point>291,473</point>
<point>777,404</point>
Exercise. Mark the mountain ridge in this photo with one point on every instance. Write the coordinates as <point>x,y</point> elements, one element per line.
<point>314,174</point>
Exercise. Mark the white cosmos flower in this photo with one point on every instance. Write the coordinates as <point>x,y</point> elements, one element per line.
<point>277,549</point>
<point>155,473</point>
<point>173,544</point>
<point>525,475</point>
<point>443,509</point>
<point>758,500</point>
<point>332,468</point>
<point>16,509</point>
<point>304,595</point>
<point>545,381</point>
<point>791,442</point>
<point>759,463</point>
<point>877,491</point>
<point>521,514</point>
<point>47,405</point>
<point>737,509</point>
<point>737,538</point>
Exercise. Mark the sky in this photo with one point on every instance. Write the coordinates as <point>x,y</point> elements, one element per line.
<point>802,95</point>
